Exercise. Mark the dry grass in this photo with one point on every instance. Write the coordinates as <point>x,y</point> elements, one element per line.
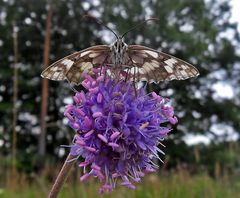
<point>180,185</point>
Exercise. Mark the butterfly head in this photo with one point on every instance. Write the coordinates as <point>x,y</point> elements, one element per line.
<point>119,45</point>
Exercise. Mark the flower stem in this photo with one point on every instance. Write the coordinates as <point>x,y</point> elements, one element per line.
<point>61,177</point>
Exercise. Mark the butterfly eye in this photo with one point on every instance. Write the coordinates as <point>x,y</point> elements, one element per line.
<point>116,45</point>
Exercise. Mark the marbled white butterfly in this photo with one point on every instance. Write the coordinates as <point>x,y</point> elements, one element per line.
<point>139,62</point>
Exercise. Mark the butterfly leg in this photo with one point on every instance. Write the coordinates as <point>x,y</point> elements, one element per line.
<point>107,72</point>
<point>134,81</point>
<point>127,75</point>
<point>102,70</point>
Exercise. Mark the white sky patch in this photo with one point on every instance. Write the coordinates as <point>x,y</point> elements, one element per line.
<point>235,12</point>
<point>192,139</point>
<point>224,132</point>
<point>229,33</point>
<point>186,27</point>
<point>65,121</point>
<point>85,5</point>
<point>107,36</point>
<point>95,13</point>
<point>223,90</point>
<point>36,130</point>
<point>68,100</point>
<point>1,143</point>
<point>219,133</point>
<point>61,152</point>
<point>26,116</point>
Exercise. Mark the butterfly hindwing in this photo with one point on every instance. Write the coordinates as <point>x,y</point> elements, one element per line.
<point>154,66</point>
<point>73,66</point>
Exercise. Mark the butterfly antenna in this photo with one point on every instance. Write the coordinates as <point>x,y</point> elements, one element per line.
<point>101,23</point>
<point>139,25</point>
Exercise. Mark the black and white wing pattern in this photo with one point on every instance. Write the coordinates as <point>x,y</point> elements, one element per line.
<point>146,64</point>
<point>73,67</point>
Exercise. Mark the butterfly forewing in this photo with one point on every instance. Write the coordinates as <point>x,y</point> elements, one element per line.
<point>73,67</point>
<point>139,62</point>
<point>154,66</point>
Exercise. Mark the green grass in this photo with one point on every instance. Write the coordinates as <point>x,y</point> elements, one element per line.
<point>175,186</point>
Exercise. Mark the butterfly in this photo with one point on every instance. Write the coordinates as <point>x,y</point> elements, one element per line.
<point>140,63</point>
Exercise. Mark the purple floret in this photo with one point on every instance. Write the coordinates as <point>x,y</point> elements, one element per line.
<point>117,130</point>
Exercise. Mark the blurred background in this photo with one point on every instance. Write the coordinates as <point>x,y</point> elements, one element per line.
<point>202,152</point>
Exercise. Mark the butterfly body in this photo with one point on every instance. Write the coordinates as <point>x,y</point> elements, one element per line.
<point>119,53</point>
<point>141,64</point>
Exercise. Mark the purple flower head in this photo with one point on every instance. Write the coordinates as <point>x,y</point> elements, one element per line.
<point>117,130</point>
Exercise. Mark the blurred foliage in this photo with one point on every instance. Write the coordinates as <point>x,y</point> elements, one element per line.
<point>177,186</point>
<point>197,31</point>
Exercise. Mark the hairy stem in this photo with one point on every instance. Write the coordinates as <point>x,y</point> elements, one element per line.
<point>61,177</point>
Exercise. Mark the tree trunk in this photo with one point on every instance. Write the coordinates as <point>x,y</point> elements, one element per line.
<point>15,108</point>
<point>44,103</point>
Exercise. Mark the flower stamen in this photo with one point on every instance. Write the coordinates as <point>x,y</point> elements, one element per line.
<point>144,125</point>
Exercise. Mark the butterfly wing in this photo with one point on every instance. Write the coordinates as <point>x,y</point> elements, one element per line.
<point>73,67</point>
<point>154,66</point>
